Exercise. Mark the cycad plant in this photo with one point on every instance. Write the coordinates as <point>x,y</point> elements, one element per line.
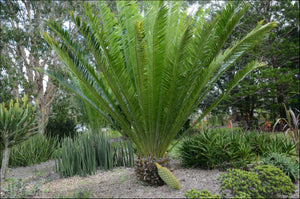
<point>18,121</point>
<point>151,66</point>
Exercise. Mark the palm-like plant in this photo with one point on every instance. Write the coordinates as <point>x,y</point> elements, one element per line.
<point>152,67</point>
<point>17,123</point>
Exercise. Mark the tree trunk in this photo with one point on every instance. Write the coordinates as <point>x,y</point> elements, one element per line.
<point>4,161</point>
<point>44,104</point>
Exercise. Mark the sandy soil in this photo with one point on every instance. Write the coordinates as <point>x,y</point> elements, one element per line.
<point>119,183</point>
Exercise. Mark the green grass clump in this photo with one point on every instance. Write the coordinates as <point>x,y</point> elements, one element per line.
<point>35,150</point>
<point>220,148</point>
<point>264,181</point>
<point>86,153</point>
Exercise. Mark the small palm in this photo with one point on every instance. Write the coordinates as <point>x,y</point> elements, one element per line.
<point>155,66</point>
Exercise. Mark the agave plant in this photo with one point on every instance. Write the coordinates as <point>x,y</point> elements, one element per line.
<point>151,66</point>
<point>17,123</point>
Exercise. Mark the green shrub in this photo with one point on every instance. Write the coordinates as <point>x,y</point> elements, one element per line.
<point>215,148</point>
<point>263,144</point>
<point>237,181</point>
<point>220,148</point>
<point>89,151</point>
<point>61,128</point>
<point>193,193</point>
<point>241,195</point>
<point>35,150</point>
<point>264,181</point>
<point>274,181</point>
<point>288,165</point>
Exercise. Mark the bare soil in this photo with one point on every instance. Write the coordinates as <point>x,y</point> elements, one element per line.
<point>119,183</point>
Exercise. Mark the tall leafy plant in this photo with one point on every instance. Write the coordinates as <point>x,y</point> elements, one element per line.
<point>291,126</point>
<point>18,122</point>
<point>35,150</point>
<point>86,153</point>
<point>151,66</point>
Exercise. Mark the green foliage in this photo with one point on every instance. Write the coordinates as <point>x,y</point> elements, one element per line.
<point>264,144</point>
<point>274,181</point>
<point>90,151</point>
<point>18,121</point>
<point>156,62</point>
<point>184,128</point>
<point>6,83</point>
<point>291,126</point>
<point>267,88</point>
<point>288,165</point>
<point>193,193</point>
<point>35,150</point>
<point>215,148</point>
<point>33,53</point>
<point>261,182</point>
<point>122,154</point>
<point>17,189</point>
<point>237,181</point>
<point>61,128</point>
<point>241,194</point>
<point>220,148</point>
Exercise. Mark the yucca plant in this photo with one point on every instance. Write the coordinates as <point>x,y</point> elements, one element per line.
<point>151,66</point>
<point>18,121</point>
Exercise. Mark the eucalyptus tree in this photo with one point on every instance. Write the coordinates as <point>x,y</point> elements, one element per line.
<point>152,68</point>
<point>22,49</point>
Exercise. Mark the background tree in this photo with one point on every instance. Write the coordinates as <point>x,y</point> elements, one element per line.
<point>263,92</point>
<point>23,50</point>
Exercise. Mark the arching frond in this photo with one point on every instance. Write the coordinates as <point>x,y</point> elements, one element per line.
<point>152,66</point>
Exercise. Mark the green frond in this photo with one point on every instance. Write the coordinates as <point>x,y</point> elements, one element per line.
<point>240,75</point>
<point>152,67</point>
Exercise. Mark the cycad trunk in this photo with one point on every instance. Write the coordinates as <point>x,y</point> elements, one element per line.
<point>5,161</point>
<point>146,170</point>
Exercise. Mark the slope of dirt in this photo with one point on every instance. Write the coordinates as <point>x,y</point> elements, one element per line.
<point>119,183</point>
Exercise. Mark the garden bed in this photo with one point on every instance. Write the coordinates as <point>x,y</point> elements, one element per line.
<point>119,183</point>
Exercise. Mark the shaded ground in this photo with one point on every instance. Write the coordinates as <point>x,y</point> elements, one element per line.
<point>119,183</point>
